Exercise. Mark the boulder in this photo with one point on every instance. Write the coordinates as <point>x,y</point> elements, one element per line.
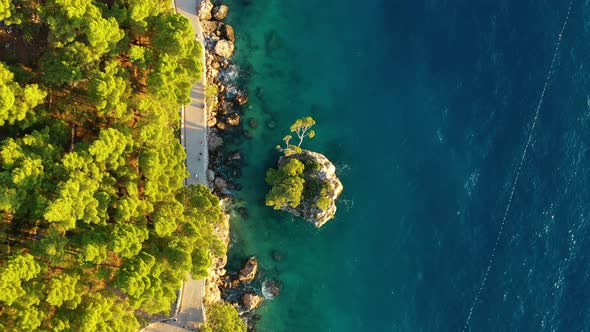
<point>252,301</point>
<point>215,141</point>
<point>248,272</point>
<point>241,99</point>
<point>271,288</point>
<point>210,175</point>
<point>211,122</point>
<point>232,119</point>
<point>224,48</point>
<point>205,10</point>
<point>220,12</point>
<point>220,184</point>
<point>208,27</point>
<point>227,32</point>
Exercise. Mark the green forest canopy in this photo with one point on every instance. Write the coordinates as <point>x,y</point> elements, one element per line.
<point>96,228</point>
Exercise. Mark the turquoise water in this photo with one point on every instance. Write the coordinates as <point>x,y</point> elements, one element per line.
<point>425,107</point>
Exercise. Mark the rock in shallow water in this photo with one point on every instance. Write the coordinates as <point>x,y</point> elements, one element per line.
<point>253,123</point>
<point>233,119</point>
<point>277,256</point>
<point>271,124</point>
<point>224,48</point>
<point>220,12</point>
<point>220,184</point>
<point>215,141</point>
<point>252,301</point>
<point>318,170</point>
<point>270,289</point>
<point>248,272</point>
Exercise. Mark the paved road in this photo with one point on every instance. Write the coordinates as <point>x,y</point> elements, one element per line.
<point>194,139</point>
<point>190,313</point>
<point>195,116</point>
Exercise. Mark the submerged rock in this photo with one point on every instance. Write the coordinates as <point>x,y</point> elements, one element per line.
<point>253,123</point>
<point>248,272</point>
<point>277,256</point>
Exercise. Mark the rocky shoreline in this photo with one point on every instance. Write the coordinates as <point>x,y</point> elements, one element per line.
<point>224,102</point>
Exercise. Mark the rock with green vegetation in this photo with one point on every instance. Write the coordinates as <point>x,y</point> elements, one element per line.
<point>305,182</point>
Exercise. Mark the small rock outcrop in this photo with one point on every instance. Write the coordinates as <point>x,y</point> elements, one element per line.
<point>227,32</point>
<point>252,301</point>
<point>317,205</point>
<point>248,272</point>
<point>233,119</point>
<point>215,141</point>
<point>220,184</point>
<point>205,10</point>
<point>224,48</point>
<point>220,12</point>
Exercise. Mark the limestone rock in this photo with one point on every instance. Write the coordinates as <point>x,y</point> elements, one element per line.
<point>224,48</point>
<point>208,27</point>
<point>220,12</point>
<point>227,32</point>
<point>210,175</point>
<point>252,301</point>
<point>271,288</point>
<point>211,122</point>
<point>205,10</point>
<point>220,184</point>
<point>248,272</point>
<point>241,99</point>
<point>320,172</point>
<point>233,119</point>
<point>215,141</point>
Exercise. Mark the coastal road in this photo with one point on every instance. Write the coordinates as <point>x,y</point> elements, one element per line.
<point>194,140</point>
<point>194,115</point>
<point>193,135</point>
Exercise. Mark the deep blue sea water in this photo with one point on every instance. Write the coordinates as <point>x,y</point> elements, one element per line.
<point>425,106</point>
